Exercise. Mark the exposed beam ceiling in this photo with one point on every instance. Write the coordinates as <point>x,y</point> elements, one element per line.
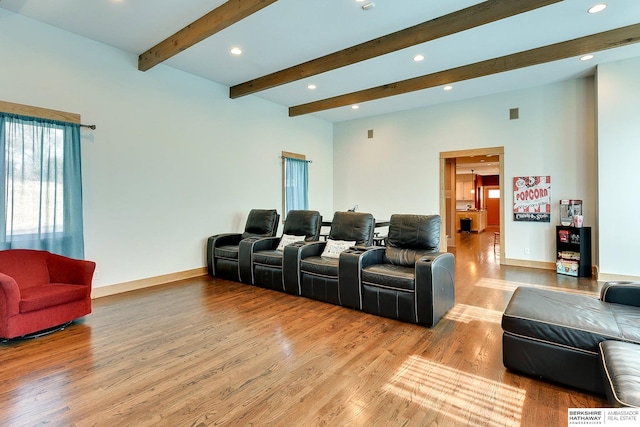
<point>345,54</point>
<point>217,20</point>
<point>461,20</point>
<point>580,46</point>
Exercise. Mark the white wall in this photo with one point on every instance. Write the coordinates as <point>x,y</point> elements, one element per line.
<point>167,165</point>
<point>398,170</point>
<point>173,160</point>
<point>618,154</point>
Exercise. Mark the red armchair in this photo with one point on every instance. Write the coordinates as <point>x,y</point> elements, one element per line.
<point>41,290</point>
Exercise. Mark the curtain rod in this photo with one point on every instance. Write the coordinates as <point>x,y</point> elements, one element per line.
<point>92,127</point>
<point>295,158</point>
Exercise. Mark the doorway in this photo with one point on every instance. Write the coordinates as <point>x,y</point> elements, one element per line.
<point>492,196</point>
<point>449,201</point>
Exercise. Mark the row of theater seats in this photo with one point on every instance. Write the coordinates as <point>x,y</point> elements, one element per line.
<point>407,279</point>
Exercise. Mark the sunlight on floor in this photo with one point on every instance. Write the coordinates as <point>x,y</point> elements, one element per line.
<point>504,285</point>
<point>467,399</point>
<point>467,313</point>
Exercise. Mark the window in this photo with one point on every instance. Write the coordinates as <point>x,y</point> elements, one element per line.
<point>493,194</point>
<point>295,182</point>
<point>40,179</point>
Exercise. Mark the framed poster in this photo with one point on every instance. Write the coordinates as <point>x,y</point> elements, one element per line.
<point>532,198</point>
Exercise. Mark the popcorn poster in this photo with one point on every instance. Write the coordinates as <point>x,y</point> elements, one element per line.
<point>532,198</point>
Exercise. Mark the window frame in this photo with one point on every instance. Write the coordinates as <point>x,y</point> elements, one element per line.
<point>68,241</point>
<point>58,223</point>
<point>288,155</point>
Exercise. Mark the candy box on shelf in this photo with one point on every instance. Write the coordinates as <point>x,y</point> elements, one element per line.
<point>567,267</point>
<point>564,235</point>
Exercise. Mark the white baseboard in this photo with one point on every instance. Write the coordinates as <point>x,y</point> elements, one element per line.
<point>607,277</point>
<point>119,288</point>
<point>531,264</point>
<point>552,266</point>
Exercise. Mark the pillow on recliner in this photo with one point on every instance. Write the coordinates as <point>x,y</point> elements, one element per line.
<point>333,248</point>
<point>287,239</point>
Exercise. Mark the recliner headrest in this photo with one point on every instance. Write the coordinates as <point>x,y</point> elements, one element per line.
<point>352,226</point>
<point>303,223</point>
<point>414,231</point>
<point>261,222</point>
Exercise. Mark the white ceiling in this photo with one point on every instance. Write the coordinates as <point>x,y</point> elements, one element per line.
<point>478,167</point>
<point>290,32</point>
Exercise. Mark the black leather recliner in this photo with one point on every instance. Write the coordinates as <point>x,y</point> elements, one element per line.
<point>265,262</point>
<point>308,273</point>
<point>408,279</point>
<point>223,249</point>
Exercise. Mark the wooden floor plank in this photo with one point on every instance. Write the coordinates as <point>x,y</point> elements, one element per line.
<point>206,352</point>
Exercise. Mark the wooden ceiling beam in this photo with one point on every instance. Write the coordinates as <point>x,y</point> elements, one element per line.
<point>461,20</point>
<point>43,113</point>
<point>215,21</point>
<point>580,46</point>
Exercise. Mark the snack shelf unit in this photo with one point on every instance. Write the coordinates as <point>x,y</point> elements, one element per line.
<point>573,247</point>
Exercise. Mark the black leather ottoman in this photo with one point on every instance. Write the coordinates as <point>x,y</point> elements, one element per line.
<point>621,373</point>
<point>555,335</point>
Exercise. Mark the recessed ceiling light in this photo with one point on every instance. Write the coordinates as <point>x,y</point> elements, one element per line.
<point>355,107</point>
<point>236,51</point>
<point>448,87</point>
<point>418,58</point>
<point>586,57</point>
<point>368,6</point>
<point>311,86</point>
<point>359,1</point>
<point>597,8</point>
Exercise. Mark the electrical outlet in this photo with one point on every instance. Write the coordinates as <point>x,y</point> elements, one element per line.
<point>526,251</point>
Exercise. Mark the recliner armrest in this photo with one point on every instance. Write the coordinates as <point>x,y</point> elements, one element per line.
<point>266,244</point>
<point>219,240</point>
<point>291,258</point>
<point>372,255</point>
<point>434,286</point>
<point>349,270</point>
<point>431,256</point>
<point>246,248</point>
<point>437,259</point>
<point>311,249</point>
<point>362,248</point>
<point>226,239</point>
<point>627,293</point>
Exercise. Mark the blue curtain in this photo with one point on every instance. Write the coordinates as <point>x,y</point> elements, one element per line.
<point>41,182</point>
<point>296,179</point>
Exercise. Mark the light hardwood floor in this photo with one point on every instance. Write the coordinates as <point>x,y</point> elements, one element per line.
<point>204,352</point>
